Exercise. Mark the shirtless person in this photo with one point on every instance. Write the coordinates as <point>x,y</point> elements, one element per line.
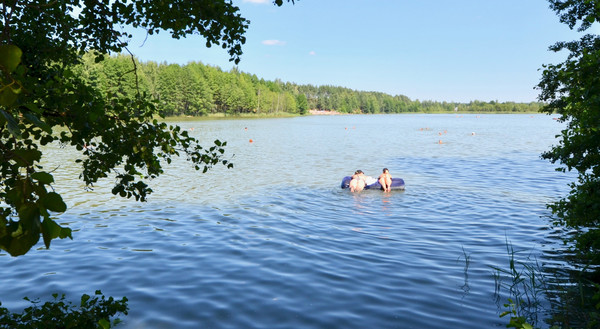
<point>357,183</point>
<point>385,180</point>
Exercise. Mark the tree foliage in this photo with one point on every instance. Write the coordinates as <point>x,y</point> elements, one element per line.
<point>572,89</point>
<point>197,89</point>
<point>46,97</point>
<point>92,312</point>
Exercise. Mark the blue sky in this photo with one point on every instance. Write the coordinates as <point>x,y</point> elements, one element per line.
<point>440,50</point>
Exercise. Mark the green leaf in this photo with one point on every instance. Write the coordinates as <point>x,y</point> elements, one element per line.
<point>43,177</point>
<point>13,125</point>
<point>65,232</point>
<point>26,158</point>
<point>29,217</point>
<point>19,237</point>
<point>84,299</point>
<point>37,122</point>
<point>34,108</point>
<point>10,57</point>
<point>8,96</point>
<point>54,202</point>
<point>104,324</point>
<point>50,230</point>
<point>15,88</point>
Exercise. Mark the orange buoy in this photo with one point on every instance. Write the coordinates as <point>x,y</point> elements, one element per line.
<point>251,140</point>
<point>440,142</point>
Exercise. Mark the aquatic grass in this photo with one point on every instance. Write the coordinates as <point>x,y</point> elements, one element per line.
<point>465,287</point>
<point>574,300</point>
<point>563,299</point>
<point>525,286</point>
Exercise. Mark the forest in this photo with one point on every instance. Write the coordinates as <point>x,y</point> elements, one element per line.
<point>197,89</point>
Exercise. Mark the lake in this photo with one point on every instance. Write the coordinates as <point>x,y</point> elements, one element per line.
<point>276,243</point>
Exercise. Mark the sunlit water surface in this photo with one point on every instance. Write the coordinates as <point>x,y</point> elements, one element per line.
<point>275,243</point>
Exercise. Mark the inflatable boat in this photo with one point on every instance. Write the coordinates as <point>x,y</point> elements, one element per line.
<point>397,184</point>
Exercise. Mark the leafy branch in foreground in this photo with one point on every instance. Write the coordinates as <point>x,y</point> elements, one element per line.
<point>572,89</point>
<point>93,312</point>
<point>43,100</point>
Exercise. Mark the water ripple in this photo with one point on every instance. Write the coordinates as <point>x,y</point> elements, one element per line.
<point>266,250</point>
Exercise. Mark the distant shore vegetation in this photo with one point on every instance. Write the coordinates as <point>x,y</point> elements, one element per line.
<point>200,90</point>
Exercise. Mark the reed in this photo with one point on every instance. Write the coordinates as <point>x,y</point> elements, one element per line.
<point>524,284</point>
<point>534,296</point>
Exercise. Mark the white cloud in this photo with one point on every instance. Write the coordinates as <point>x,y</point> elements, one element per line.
<point>273,42</point>
<point>257,1</point>
<point>312,53</point>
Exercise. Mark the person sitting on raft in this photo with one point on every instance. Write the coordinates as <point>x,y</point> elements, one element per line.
<point>358,181</point>
<point>385,179</point>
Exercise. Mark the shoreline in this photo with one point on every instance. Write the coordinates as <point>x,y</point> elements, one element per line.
<point>325,112</point>
<point>220,116</point>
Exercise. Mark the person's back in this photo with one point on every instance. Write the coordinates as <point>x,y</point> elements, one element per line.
<point>385,179</point>
<point>358,182</point>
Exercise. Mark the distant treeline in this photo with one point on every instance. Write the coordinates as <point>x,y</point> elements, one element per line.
<point>197,89</point>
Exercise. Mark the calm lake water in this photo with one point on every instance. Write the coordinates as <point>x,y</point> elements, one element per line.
<point>275,242</point>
